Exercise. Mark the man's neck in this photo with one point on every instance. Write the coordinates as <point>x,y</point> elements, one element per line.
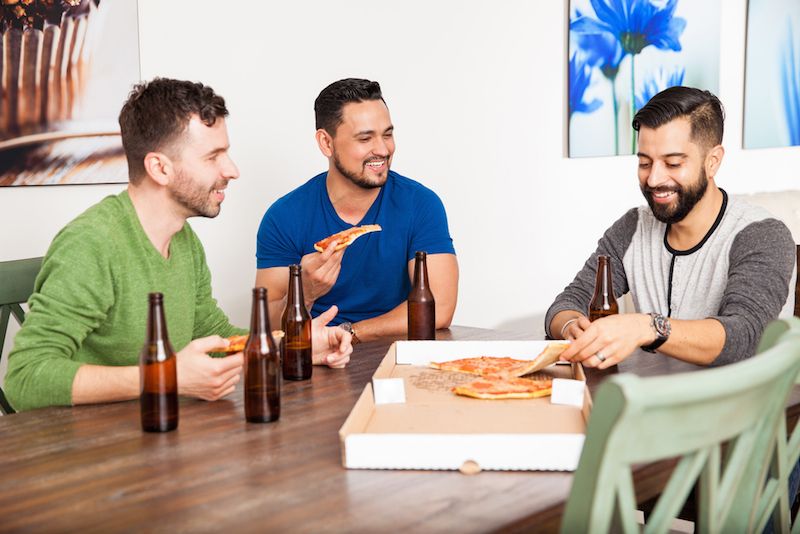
<point>693,228</point>
<point>158,216</point>
<point>351,202</point>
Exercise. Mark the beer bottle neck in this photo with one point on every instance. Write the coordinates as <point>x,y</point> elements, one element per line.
<point>296,297</point>
<point>156,323</point>
<point>259,317</point>
<point>420,273</point>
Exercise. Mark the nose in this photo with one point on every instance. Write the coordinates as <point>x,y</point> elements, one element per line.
<point>229,169</point>
<point>658,175</point>
<point>382,147</point>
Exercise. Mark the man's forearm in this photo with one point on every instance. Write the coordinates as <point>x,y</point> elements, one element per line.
<point>99,383</point>
<point>395,322</point>
<point>391,323</point>
<point>696,341</point>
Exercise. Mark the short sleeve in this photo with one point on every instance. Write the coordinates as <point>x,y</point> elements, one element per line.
<point>274,244</point>
<point>430,231</point>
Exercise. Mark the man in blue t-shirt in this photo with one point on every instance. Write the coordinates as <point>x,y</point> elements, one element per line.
<point>369,280</point>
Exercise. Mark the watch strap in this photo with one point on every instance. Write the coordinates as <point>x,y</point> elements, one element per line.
<point>660,324</point>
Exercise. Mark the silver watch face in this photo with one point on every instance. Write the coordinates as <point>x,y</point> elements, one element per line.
<point>661,324</point>
<point>346,326</point>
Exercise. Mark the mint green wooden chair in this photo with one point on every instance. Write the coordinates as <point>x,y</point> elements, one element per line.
<point>776,501</point>
<point>686,416</point>
<point>16,286</point>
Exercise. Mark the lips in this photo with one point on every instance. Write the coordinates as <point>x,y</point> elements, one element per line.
<point>376,164</point>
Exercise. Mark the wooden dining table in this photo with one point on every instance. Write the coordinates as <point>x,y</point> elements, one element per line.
<point>92,469</point>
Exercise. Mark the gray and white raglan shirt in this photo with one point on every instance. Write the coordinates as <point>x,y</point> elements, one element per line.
<point>739,273</point>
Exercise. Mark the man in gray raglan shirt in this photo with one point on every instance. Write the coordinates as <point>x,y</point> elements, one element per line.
<point>706,272</point>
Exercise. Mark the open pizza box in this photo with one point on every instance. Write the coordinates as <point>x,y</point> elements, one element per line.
<point>418,423</point>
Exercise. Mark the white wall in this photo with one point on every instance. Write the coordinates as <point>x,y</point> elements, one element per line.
<point>476,91</point>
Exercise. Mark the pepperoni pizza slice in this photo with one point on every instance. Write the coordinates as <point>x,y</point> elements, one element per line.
<point>346,237</point>
<point>496,388</point>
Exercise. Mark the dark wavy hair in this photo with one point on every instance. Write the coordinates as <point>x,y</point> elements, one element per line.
<point>328,105</point>
<point>157,114</point>
<point>703,109</point>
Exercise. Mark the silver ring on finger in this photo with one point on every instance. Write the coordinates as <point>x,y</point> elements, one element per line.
<point>599,356</point>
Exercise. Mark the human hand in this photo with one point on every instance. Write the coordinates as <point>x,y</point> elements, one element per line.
<point>320,272</point>
<point>204,377</point>
<point>576,327</point>
<point>607,341</point>
<point>332,346</point>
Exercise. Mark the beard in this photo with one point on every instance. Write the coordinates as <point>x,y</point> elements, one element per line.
<point>193,197</point>
<point>361,180</point>
<point>688,197</point>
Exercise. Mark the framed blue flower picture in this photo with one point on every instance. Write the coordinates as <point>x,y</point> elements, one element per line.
<point>772,74</point>
<point>621,53</point>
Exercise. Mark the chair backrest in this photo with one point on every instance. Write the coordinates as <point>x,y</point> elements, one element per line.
<point>797,286</point>
<point>686,416</point>
<point>16,285</point>
<point>776,498</point>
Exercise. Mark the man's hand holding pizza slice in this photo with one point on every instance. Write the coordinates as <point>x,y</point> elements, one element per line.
<point>320,271</point>
<point>321,268</point>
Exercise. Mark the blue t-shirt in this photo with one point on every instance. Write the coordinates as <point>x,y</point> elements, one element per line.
<point>374,276</point>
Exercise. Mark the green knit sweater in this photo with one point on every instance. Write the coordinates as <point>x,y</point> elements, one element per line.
<point>90,302</point>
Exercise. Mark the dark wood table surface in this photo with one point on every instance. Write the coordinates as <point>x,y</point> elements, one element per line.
<point>91,468</point>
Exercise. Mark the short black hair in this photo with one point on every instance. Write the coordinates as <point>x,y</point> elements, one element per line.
<point>702,108</point>
<point>158,112</point>
<point>328,105</point>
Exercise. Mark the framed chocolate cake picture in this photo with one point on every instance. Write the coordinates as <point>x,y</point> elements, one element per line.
<point>66,67</point>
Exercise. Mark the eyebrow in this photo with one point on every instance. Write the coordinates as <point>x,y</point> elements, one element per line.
<point>371,132</point>
<point>216,151</point>
<point>670,155</point>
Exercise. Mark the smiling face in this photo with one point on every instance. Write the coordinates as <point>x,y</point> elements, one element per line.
<point>363,146</point>
<point>202,168</point>
<point>672,172</point>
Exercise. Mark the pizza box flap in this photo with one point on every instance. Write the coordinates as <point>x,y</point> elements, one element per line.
<point>436,429</point>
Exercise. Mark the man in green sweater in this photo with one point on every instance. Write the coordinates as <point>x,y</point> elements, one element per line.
<point>81,339</point>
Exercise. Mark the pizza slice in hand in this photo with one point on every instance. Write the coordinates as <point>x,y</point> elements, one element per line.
<point>237,343</point>
<point>346,237</point>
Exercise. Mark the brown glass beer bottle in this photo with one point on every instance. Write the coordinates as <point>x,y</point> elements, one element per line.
<point>158,373</point>
<point>262,368</point>
<point>603,302</point>
<point>421,305</point>
<point>296,324</point>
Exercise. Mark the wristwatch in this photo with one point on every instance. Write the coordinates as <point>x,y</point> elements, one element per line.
<point>347,326</point>
<point>662,328</point>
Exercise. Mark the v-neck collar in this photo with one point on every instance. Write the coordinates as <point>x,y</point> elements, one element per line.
<point>369,217</point>
<point>141,235</point>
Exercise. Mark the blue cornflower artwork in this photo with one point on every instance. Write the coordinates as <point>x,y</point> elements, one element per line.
<point>581,75</point>
<point>791,87</point>
<point>772,74</point>
<point>656,83</point>
<point>633,49</point>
